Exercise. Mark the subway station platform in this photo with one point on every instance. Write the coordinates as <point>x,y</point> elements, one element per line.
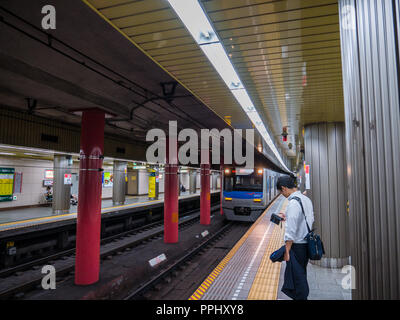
<point>28,217</point>
<point>247,273</point>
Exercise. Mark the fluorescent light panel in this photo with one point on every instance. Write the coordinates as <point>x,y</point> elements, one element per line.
<point>194,18</point>
<point>219,59</point>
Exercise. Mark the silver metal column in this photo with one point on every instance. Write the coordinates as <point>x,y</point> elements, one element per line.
<point>214,181</point>
<point>61,190</point>
<point>370,59</point>
<point>192,181</point>
<point>325,154</point>
<point>119,182</point>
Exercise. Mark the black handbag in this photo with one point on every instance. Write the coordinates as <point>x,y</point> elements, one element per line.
<point>315,246</point>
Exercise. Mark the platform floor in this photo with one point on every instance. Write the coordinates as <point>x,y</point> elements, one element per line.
<point>247,273</point>
<point>17,218</point>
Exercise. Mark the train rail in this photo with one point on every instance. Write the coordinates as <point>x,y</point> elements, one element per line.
<point>111,246</point>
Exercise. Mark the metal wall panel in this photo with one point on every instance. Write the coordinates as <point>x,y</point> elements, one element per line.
<point>371,89</point>
<point>324,146</point>
<point>21,129</point>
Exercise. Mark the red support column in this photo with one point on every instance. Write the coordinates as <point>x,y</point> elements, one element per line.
<point>221,194</point>
<point>171,205</point>
<point>87,261</point>
<point>205,194</point>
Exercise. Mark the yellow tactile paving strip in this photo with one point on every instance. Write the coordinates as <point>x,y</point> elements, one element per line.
<point>201,290</point>
<point>265,284</point>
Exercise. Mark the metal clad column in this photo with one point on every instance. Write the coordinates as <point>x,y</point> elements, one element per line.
<point>325,154</point>
<point>87,261</point>
<point>171,205</point>
<point>192,181</point>
<point>370,59</point>
<point>119,182</point>
<point>61,191</point>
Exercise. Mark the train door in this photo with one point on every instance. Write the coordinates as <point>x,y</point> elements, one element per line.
<point>273,186</point>
<point>270,188</point>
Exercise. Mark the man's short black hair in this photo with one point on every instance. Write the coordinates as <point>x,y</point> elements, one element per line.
<point>286,181</point>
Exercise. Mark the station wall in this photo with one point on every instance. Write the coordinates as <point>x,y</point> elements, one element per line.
<point>33,174</point>
<point>32,180</point>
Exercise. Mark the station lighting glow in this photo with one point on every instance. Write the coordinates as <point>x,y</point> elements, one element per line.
<point>197,23</point>
<point>227,171</point>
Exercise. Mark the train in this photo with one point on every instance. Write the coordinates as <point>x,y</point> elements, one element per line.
<point>247,192</point>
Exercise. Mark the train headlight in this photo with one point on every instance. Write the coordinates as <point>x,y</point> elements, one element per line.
<point>260,171</point>
<point>227,171</point>
<point>257,200</point>
<point>228,199</point>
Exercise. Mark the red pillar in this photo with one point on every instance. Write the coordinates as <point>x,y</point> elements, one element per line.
<point>171,206</point>
<point>205,194</point>
<point>221,194</point>
<point>87,261</point>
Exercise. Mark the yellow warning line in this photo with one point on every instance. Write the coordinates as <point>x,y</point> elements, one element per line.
<point>210,279</point>
<point>67,216</point>
<point>266,281</point>
<point>64,216</point>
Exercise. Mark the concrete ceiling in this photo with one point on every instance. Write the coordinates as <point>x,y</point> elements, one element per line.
<point>85,64</point>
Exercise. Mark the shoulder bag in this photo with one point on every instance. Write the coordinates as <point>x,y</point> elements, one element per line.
<point>315,245</point>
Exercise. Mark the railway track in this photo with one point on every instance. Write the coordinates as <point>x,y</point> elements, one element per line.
<point>165,275</point>
<point>115,245</point>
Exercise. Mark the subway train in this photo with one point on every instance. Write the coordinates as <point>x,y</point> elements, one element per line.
<point>247,192</point>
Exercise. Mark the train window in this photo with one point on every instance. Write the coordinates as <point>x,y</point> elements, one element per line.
<point>251,182</point>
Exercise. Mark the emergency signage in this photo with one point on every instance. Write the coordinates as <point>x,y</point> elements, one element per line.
<point>6,184</point>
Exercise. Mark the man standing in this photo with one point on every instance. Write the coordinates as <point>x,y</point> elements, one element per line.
<point>296,254</point>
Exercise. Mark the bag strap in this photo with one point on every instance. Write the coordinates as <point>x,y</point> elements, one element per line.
<point>302,209</point>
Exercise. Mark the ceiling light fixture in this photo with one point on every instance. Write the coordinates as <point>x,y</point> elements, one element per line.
<point>199,26</point>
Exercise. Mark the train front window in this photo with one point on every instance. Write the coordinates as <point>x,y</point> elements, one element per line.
<point>244,182</point>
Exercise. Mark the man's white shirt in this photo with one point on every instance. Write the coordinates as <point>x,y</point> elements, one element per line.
<point>296,228</point>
